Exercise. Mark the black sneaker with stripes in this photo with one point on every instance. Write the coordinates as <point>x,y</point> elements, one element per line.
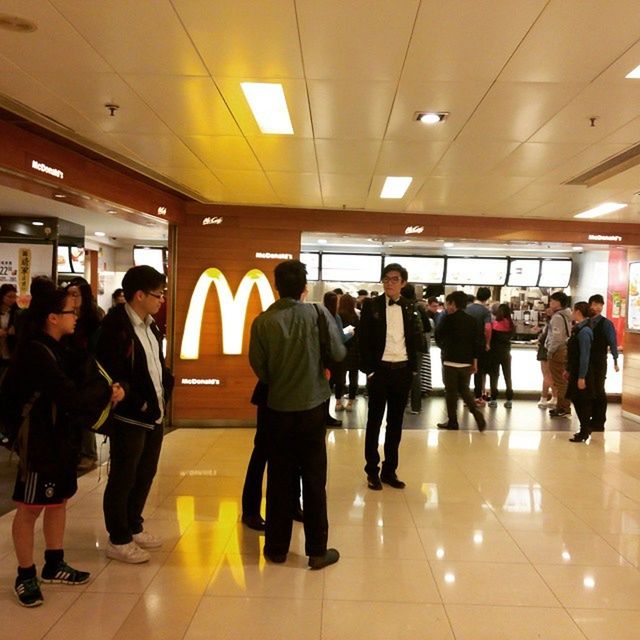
<point>62,573</point>
<point>28,592</point>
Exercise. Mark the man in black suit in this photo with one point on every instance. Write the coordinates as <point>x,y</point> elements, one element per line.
<point>390,335</point>
<point>461,340</point>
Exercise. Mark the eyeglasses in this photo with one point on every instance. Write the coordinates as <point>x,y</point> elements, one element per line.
<point>393,279</point>
<point>159,296</point>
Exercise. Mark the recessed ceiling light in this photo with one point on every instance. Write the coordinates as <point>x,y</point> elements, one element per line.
<point>448,245</point>
<point>395,187</point>
<point>601,210</point>
<point>60,196</point>
<point>100,234</point>
<point>634,74</point>
<point>15,23</point>
<point>430,117</point>
<point>112,211</point>
<point>269,106</point>
<point>576,248</point>
<point>322,241</point>
<point>36,223</point>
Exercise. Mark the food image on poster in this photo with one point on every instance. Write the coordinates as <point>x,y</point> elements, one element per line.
<point>634,297</point>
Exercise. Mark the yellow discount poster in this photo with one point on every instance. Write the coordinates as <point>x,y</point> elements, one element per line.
<point>24,270</point>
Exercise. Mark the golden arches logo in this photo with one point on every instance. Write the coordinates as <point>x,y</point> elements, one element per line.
<point>233,310</point>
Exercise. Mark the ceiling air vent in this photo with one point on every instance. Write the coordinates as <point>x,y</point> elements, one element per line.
<point>609,168</point>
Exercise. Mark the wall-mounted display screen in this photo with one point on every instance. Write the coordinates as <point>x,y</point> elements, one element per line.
<point>64,260</point>
<point>555,273</point>
<point>77,259</point>
<point>427,270</point>
<point>523,273</point>
<point>151,256</point>
<point>312,262</point>
<point>341,267</point>
<point>477,271</point>
<point>633,313</point>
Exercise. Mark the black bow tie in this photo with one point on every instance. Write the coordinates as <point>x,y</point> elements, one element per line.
<point>392,302</point>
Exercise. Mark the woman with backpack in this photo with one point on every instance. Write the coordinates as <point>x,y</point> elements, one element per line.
<point>51,406</point>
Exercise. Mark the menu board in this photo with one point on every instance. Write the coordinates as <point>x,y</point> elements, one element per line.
<point>523,273</point>
<point>555,273</point>
<point>64,260</point>
<point>633,313</point>
<point>77,259</point>
<point>151,256</point>
<point>477,271</point>
<point>312,262</point>
<point>353,267</point>
<point>424,269</point>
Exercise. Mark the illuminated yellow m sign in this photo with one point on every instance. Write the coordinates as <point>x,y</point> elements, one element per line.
<point>233,310</point>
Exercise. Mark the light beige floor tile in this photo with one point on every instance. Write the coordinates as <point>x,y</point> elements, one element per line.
<point>611,520</point>
<point>541,518</point>
<point>369,511</point>
<point>374,580</point>
<point>567,548</point>
<point>627,544</point>
<point>383,541</point>
<point>264,618</point>
<point>105,611</point>
<point>347,620</point>
<point>228,487</point>
<point>185,573</point>
<point>607,625</point>
<point>454,516</point>
<point>242,575</point>
<point>464,545</point>
<point>120,577</point>
<point>491,583</point>
<point>443,492</point>
<point>594,587</point>
<point>472,622</point>
<point>207,536</point>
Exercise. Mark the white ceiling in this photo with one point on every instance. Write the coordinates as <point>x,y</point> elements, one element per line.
<point>520,78</point>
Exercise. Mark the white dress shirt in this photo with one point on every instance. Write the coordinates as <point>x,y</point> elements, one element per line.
<point>395,348</point>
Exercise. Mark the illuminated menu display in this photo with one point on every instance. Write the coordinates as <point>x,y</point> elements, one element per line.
<point>555,273</point>
<point>312,262</point>
<point>340,267</point>
<point>64,260</point>
<point>429,270</point>
<point>633,317</point>
<point>477,271</point>
<point>523,273</point>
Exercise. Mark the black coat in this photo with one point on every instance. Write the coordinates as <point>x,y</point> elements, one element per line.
<point>460,337</point>
<point>372,333</point>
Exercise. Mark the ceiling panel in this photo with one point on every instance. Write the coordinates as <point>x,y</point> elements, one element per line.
<point>534,159</point>
<point>467,41</point>
<point>574,41</point>
<point>285,153</point>
<point>244,38</point>
<point>473,157</point>
<point>342,109</point>
<point>192,178</point>
<point>144,36</point>
<point>344,190</point>
<point>376,203</point>
<point>409,158</point>
<point>247,183</point>
<point>223,152</point>
<point>195,108</point>
<point>332,33</point>
<point>296,189</point>
<point>347,156</point>
<point>159,150</point>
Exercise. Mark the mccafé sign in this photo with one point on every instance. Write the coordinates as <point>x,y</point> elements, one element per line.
<point>233,310</point>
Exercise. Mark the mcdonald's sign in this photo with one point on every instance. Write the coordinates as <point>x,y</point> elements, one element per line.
<point>233,310</point>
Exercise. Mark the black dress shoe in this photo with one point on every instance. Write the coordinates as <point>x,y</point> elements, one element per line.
<point>331,556</point>
<point>278,558</point>
<point>298,515</point>
<point>373,482</point>
<point>580,436</point>
<point>480,421</point>
<point>255,522</point>
<point>447,425</point>
<point>393,481</point>
<point>332,422</point>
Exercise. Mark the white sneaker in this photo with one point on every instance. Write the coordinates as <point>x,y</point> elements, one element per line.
<point>340,406</point>
<point>543,403</point>
<point>553,403</point>
<point>146,540</point>
<point>129,552</point>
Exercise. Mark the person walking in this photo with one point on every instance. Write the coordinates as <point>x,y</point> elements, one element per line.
<point>502,331</point>
<point>556,344</point>
<point>461,339</point>
<point>285,352</point>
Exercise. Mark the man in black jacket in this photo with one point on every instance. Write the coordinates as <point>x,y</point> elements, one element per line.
<point>461,340</point>
<point>130,349</point>
<point>390,335</point>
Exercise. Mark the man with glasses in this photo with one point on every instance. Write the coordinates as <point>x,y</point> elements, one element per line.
<point>390,336</point>
<point>130,349</point>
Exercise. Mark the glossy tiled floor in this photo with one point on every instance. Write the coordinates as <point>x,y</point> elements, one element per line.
<point>501,535</point>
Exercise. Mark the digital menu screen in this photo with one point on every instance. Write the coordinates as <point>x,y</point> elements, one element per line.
<point>477,271</point>
<point>633,312</point>
<point>77,259</point>
<point>428,270</point>
<point>151,256</point>
<point>312,262</point>
<point>555,273</point>
<point>523,273</point>
<point>341,267</point>
<point>64,260</point>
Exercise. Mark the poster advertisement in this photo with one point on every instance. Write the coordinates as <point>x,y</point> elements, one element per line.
<point>634,297</point>
<point>19,263</point>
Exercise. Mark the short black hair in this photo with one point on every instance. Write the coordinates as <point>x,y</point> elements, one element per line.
<point>338,291</point>
<point>432,299</point>
<point>561,297</point>
<point>291,278</point>
<point>470,298</point>
<point>408,291</point>
<point>363,292</point>
<point>40,285</point>
<point>394,266</point>
<point>141,278</point>
<point>582,307</point>
<point>597,298</point>
<point>483,294</point>
<point>7,288</point>
<point>458,299</point>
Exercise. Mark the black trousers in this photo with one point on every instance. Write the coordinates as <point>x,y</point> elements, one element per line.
<point>500,359</point>
<point>480,376</point>
<point>252,489</point>
<point>341,377</point>
<point>134,461</point>
<point>296,441</point>
<point>456,382</point>
<point>386,388</point>
<point>416,390</point>
<point>583,403</point>
<point>599,411</point>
